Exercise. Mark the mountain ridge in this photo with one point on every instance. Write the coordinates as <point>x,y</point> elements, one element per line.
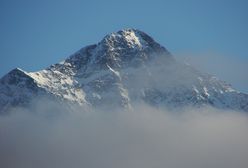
<point>124,67</point>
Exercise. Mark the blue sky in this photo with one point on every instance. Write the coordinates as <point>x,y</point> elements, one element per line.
<point>35,33</point>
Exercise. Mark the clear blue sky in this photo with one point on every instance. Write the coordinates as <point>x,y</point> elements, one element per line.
<point>37,33</point>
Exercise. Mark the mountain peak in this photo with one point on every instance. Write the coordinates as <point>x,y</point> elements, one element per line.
<point>15,73</point>
<point>121,49</point>
<point>127,47</point>
<point>130,37</point>
<point>119,70</point>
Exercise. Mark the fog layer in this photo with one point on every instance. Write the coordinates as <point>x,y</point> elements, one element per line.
<point>143,137</point>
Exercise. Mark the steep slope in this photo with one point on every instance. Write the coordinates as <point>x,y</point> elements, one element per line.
<point>124,68</point>
<point>17,88</point>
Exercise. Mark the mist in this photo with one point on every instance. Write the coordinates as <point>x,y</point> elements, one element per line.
<point>231,69</point>
<point>142,137</point>
<point>51,135</point>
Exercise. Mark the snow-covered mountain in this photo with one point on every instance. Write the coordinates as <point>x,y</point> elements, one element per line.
<point>124,68</point>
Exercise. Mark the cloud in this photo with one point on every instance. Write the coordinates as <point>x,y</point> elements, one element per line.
<point>143,137</point>
<point>231,69</point>
<point>52,135</point>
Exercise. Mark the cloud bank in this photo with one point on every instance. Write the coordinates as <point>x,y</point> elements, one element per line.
<point>143,137</point>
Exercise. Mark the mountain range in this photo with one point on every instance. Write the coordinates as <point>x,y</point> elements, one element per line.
<point>124,68</point>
